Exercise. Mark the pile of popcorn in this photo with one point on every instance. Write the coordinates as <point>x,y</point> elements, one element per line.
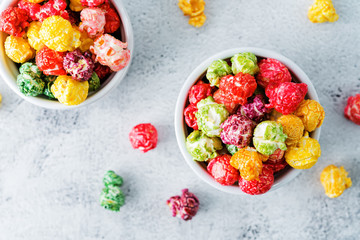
<point>250,121</point>
<point>65,51</point>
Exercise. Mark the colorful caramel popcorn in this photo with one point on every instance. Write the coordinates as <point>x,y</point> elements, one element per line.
<point>184,206</point>
<point>50,61</point>
<point>286,97</point>
<point>311,113</point>
<point>31,8</point>
<point>269,136</point>
<point>335,180</point>
<point>254,109</point>
<point>79,66</point>
<point>143,137</point>
<point>76,6</point>
<point>93,21</point>
<point>322,11</point>
<point>194,9</point>
<point>18,49</point>
<point>245,63</point>
<point>112,19</point>
<point>33,35</point>
<point>221,170</point>
<point>272,72</point>
<point>260,186</point>
<point>94,82</point>
<point>58,34</point>
<point>69,91</point>
<point>190,117</point>
<point>237,130</point>
<point>210,115</point>
<point>202,147</point>
<point>218,69</point>
<point>29,80</point>
<point>14,21</point>
<point>249,162</point>
<point>199,92</point>
<point>293,127</point>
<point>111,52</point>
<point>304,154</point>
<point>352,109</point>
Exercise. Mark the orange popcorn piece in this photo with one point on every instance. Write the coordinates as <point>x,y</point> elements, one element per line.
<point>194,9</point>
<point>249,162</point>
<point>335,180</point>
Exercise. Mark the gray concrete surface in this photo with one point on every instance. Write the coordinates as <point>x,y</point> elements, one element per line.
<point>52,162</point>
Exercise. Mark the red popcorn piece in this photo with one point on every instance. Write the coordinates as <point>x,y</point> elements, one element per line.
<point>50,61</point>
<point>13,21</point>
<point>190,117</point>
<point>276,167</point>
<point>352,109</point>
<point>112,18</point>
<point>31,8</point>
<point>285,97</point>
<point>143,137</point>
<point>199,92</point>
<point>237,88</point>
<point>53,8</point>
<point>272,71</point>
<point>91,3</point>
<point>222,171</point>
<point>184,206</point>
<point>102,71</point>
<point>276,157</point>
<point>220,98</point>
<point>261,186</point>
<point>92,21</point>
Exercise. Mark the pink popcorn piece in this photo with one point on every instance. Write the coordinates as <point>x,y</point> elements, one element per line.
<point>91,3</point>
<point>261,186</point>
<point>143,137</point>
<point>352,109</point>
<point>79,66</point>
<point>92,21</point>
<point>254,109</point>
<point>184,206</point>
<point>285,97</point>
<point>237,130</point>
<point>111,52</point>
<point>272,72</point>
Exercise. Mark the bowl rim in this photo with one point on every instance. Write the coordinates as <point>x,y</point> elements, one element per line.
<point>181,102</point>
<point>8,68</point>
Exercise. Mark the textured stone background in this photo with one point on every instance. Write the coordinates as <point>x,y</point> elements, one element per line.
<point>52,162</point>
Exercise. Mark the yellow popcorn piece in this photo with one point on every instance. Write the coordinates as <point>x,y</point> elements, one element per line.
<point>18,49</point>
<point>293,127</point>
<point>334,180</point>
<point>58,34</point>
<point>0,98</point>
<point>85,40</point>
<point>69,91</point>
<point>33,35</point>
<point>75,5</point>
<point>194,9</point>
<point>322,11</point>
<point>311,113</point>
<point>304,154</point>
<point>249,162</point>
<point>35,1</point>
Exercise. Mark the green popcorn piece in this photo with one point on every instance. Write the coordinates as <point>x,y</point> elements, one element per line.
<point>94,82</point>
<point>112,198</point>
<point>245,63</point>
<point>217,70</point>
<point>47,90</point>
<point>31,69</point>
<point>49,78</point>
<point>202,147</point>
<point>210,115</point>
<point>111,178</point>
<point>29,85</point>
<point>232,148</point>
<point>269,136</point>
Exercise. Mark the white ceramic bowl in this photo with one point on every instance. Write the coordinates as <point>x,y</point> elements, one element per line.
<point>9,71</point>
<point>282,177</point>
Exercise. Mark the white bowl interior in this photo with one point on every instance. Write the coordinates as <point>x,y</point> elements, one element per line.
<point>181,129</point>
<point>9,71</point>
